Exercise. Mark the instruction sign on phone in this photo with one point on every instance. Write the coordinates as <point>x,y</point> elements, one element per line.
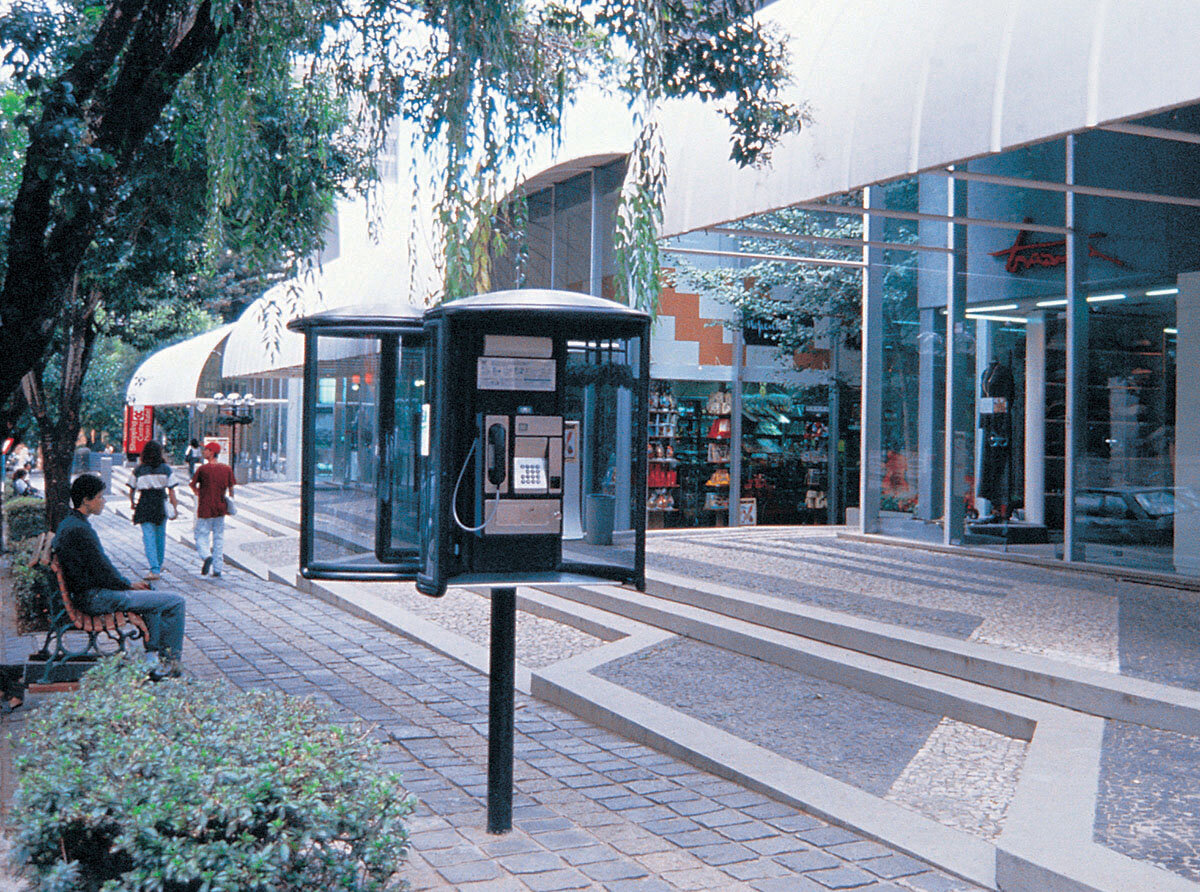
<point>514,373</point>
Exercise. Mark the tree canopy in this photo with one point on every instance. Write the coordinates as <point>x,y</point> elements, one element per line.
<point>108,86</point>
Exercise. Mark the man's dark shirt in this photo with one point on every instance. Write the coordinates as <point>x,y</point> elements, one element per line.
<point>82,558</point>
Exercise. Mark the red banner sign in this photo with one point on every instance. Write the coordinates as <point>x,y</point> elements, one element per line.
<point>139,428</point>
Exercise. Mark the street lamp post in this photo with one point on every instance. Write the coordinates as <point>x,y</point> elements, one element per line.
<point>230,404</point>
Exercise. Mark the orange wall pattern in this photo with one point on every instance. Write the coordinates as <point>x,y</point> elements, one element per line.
<point>690,326</point>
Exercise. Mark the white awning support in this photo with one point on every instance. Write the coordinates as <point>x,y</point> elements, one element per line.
<point>171,376</point>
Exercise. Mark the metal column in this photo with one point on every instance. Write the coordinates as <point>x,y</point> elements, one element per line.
<point>931,398</point>
<point>1035,418</point>
<point>870,478</point>
<point>833,465</point>
<point>983,356</point>
<point>735,431</point>
<point>501,696</point>
<point>1075,444</point>
<point>959,365</point>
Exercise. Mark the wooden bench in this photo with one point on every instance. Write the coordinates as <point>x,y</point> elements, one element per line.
<point>58,661</point>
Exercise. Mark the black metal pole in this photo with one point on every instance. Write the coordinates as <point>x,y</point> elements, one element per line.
<point>502,682</point>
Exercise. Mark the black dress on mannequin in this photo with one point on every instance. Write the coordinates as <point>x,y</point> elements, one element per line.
<point>995,476</point>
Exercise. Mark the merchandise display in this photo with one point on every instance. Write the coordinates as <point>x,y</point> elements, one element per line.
<point>662,476</point>
<point>785,458</point>
<point>784,449</point>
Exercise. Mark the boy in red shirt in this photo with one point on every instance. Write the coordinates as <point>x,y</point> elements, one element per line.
<point>210,483</point>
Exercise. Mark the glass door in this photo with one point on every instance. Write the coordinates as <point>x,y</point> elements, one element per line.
<point>403,419</point>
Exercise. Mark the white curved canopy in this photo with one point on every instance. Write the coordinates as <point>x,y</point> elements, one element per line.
<point>260,344</point>
<point>898,87</point>
<point>170,376</point>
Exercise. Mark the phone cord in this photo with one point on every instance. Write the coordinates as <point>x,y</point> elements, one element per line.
<point>454,499</point>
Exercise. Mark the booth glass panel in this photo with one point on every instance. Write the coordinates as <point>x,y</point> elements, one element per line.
<point>346,422</point>
<point>403,474</point>
<point>602,491</point>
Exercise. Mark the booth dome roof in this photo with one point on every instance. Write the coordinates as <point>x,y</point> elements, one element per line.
<point>390,316</point>
<point>526,299</point>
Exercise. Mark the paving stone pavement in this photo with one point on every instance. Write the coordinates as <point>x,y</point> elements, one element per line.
<point>591,809</point>
<point>1090,620</point>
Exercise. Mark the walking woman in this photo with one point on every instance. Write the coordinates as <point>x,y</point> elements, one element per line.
<point>192,456</point>
<point>153,484</point>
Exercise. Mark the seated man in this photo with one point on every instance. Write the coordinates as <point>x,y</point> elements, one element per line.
<point>98,588</point>
<point>21,485</point>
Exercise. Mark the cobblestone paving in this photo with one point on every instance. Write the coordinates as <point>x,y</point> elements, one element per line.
<point>964,777</point>
<point>956,774</point>
<point>1069,616</point>
<point>943,622</point>
<point>540,641</point>
<point>1149,797</point>
<point>282,553</point>
<point>846,734</point>
<point>1160,635</point>
<point>592,810</point>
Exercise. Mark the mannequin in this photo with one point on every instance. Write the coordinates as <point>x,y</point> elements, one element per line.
<point>995,477</point>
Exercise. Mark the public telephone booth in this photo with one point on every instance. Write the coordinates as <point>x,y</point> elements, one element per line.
<point>537,463</point>
<point>493,440</point>
<point>496,440</point>
<point>364,386</point>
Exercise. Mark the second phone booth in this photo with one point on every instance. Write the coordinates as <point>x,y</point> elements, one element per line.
<point>364,388</point>
<point>492,440</point>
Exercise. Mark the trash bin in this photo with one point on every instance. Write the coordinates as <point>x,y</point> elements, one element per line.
<point>598,512</point>
<point>100,465</point>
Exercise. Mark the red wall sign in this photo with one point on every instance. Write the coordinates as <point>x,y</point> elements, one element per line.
<point>139,428</point>
<point>1024,254</point>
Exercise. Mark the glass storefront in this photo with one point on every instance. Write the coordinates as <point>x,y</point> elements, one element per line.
<point>989,299</point>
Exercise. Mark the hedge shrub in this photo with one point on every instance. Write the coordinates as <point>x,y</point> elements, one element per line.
<point>190,786</point>
<point>35,591</point>
<point>26,517</point>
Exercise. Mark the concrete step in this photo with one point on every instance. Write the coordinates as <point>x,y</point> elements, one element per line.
<point>1053,681</point>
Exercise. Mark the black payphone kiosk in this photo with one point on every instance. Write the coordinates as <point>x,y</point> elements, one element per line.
<point>538,407</point>
<point>496,440</point>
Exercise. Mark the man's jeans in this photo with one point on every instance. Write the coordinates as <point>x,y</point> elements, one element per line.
<point>162,611</point>
<point>154,540</point>
<point>211,528</point>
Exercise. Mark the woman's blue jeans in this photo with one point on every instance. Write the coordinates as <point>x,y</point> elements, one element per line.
<point>154,540</point>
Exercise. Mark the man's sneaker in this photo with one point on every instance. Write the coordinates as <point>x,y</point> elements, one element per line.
<point>215,574</point>
<point>170,669</point>
<point>206,566</point>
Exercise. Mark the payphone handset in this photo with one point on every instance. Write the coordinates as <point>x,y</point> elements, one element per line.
<point>496,450</point>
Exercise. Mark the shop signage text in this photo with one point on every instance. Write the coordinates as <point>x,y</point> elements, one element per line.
<point>139,428</point>
<point>1024,254</point>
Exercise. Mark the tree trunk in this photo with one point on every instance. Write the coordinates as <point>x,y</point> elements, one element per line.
<point>123,80</point>
<point>59,431</point>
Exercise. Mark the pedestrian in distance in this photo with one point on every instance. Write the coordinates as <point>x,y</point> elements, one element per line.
<point>98,587</point>
<point>192,456</point>
<point>212,483</point>
<point>21,485</point>
<point>152,486</point>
